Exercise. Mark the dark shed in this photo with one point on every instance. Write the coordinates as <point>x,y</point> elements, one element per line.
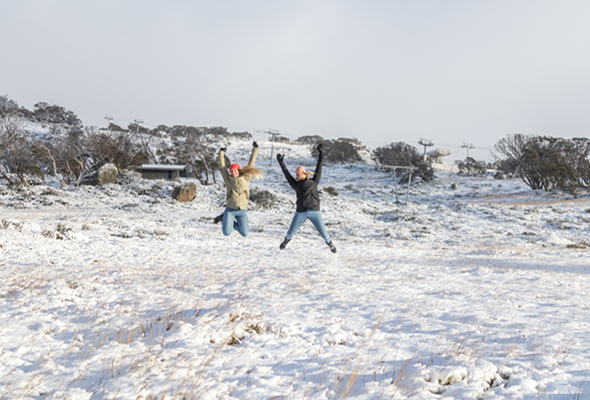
<point>161,171</point>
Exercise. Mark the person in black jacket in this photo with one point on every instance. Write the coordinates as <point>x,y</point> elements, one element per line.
<point>308,199</point>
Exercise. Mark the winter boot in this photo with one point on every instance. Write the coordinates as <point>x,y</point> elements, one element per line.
<point>284,244</point>
<point>218,219</point>
<point>332,247</point>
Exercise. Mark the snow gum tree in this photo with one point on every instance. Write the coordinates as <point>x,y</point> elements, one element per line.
<point>544,162</point>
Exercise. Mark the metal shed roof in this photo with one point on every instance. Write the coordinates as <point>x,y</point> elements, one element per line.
<point>163,167</point>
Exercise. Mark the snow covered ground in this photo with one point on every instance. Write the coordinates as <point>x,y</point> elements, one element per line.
<point>119,292</point>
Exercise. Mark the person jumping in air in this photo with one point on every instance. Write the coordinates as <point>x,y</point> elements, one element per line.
<point>308,199</point>
<point>237,184</point>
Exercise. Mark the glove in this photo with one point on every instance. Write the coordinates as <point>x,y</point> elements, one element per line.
<point>321,147</point>
<point>255,145</point>
<point>224,149</point>
<point>280,158</point>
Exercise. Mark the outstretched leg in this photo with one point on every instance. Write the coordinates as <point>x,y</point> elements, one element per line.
<point>298,220</point>
<point>316,219</point>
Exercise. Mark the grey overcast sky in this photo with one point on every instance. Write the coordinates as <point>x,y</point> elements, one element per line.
<point>382,71</point>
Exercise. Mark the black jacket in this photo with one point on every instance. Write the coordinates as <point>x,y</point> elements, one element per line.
<point>307,190</point>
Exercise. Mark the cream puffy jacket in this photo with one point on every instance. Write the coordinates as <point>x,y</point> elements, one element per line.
<point>238,189</point>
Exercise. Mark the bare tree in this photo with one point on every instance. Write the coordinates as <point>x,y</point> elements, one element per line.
<point>119,147</point>
<point>196,149</point>
<point>15,151</point>
<point>513,148</point>
<point>66,154</point>
<point>46,153</point>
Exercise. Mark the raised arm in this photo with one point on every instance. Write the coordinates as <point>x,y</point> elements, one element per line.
<point>222,166</point>
<point>290,179</point>
<point>254,154</point>
<point>318,169</point>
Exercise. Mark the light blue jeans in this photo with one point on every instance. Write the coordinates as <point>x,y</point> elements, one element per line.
<point>235,219</point>
<point>316,219</point>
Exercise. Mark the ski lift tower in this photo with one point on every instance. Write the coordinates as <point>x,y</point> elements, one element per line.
<point>468,146</point>
<point>426,143</point>
<point>109,119</point>
<point>273,133</point>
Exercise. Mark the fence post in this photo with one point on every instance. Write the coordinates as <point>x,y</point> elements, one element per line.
<point>395,183</point>
<point>366,178</point>
<point>409,183</point>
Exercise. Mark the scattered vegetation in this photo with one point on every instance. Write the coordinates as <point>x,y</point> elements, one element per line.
<point>331,191</point>
<point>264,199</point>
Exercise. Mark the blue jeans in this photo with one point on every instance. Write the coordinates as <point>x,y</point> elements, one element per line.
<point>316,219</point>
<point>235,219</point>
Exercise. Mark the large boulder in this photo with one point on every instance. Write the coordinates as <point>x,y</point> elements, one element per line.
<point>184,191</point>
<point>107,174</point>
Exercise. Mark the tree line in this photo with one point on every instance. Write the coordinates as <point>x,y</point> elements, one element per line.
<point>71,151</point>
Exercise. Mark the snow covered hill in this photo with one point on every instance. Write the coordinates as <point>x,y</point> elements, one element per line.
<point>120,292</point>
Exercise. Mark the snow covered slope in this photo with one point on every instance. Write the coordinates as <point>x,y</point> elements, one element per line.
<point>120,292</point>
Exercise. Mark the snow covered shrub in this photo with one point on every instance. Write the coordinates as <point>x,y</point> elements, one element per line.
<point>331,191</point>
<point>580,245</point>
<point>148,188</point>
<point>35,174</point>
<point>263,198</point>
<point>62,228</point>
<point>127,177</point>
<point>471,167</point>
<point>398,153</point>
<point>403,154</point>
<point>310,139</point>
<point>352,188</point>
<point>341,151</point>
